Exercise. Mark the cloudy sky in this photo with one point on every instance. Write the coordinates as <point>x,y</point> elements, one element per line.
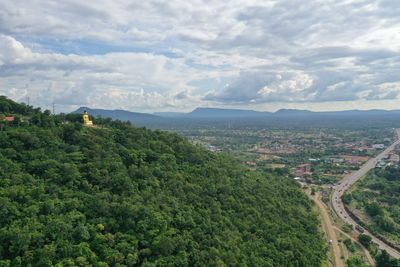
<point>175,55</point>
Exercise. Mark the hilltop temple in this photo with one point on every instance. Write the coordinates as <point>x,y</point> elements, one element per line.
<point>86,119</point>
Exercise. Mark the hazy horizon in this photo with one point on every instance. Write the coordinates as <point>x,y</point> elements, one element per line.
<point>233,108</point>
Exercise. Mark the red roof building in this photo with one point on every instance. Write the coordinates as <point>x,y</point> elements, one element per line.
<point>303,169</point>
<point>9,118</point>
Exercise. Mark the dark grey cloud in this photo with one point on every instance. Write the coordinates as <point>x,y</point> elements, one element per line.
<point>177,51</point>
<point>387,95</point>
<point>182,96</point>
<point>262,86</point>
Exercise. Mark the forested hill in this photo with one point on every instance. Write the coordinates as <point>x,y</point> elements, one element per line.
<point>123,196</point>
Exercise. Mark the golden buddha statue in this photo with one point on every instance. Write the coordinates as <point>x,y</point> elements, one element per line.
<point>86,119</point>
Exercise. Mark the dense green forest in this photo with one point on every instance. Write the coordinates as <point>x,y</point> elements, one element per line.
<point>378,196</point>
<point>117,195</point>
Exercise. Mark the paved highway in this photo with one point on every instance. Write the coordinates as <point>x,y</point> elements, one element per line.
<point>350,179</point>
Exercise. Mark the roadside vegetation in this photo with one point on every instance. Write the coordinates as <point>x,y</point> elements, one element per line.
<point>377,197</point>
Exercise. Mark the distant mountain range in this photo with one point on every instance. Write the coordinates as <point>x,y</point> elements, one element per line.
<point>351,113</point>
<point>225,113</point>
<point>242,113</point>
<point>123,115</point>
<point>170,114</point>
<point>163,119</point>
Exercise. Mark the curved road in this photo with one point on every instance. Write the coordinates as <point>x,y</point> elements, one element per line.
<point>348,181</point>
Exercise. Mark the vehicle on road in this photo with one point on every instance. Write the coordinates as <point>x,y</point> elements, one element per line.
<point>359,228</point>
<point>348,181</point>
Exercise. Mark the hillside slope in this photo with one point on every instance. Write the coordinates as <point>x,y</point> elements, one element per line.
<point>123,196</point>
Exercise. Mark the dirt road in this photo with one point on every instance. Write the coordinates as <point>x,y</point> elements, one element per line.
<point>329,230</point>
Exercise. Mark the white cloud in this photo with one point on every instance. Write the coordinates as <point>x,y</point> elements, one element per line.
<point>132,80</point>
<point>146,55</point>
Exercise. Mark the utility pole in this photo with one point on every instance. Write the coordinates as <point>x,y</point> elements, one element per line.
<point>54,109</point>
<point>27,98</point>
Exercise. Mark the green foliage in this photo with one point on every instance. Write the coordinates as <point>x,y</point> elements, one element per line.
<point>124,196</point>
<point>373,209</point>
<point>347,198</point>
<point>355,262</point>
<point>365,240</point>
<point>349,245</point>
<point>347,227</point>
<point>384,260</point>
<point>313,190</point>
<point>378,195</point>
<point>9,107</point>
<point>391,173</point>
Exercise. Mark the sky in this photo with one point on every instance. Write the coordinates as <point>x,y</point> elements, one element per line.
<point>177,55</point>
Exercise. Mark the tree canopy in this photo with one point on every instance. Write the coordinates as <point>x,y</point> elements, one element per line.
<point>117,195</point>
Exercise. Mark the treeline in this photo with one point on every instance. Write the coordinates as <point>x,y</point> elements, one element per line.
<point>123,196</point>
<point>8,107</point>
<point>378,196</point>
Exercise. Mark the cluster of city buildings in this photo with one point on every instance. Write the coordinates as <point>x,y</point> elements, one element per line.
<point>392,159</point>
<point>358,147</point>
